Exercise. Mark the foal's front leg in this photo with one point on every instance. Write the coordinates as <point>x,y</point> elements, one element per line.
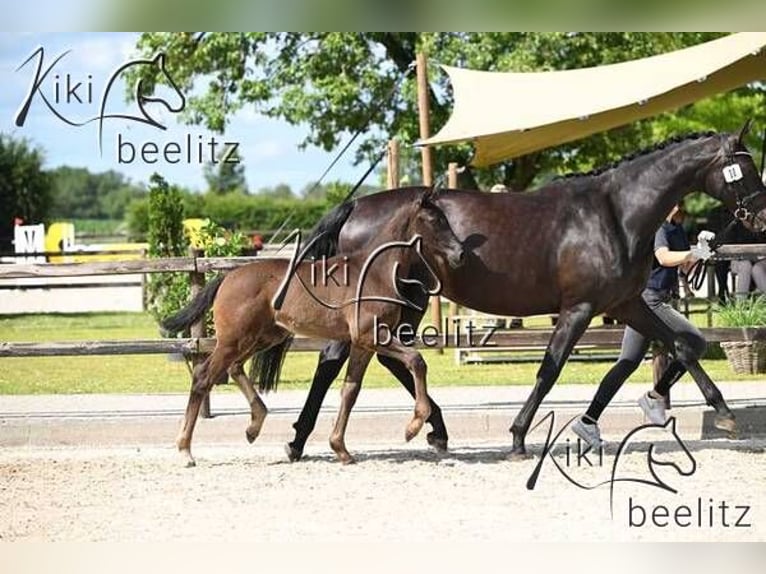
<point>357,366</point>
<point>414,363</point>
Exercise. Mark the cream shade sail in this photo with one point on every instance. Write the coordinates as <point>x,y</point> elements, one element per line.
<point>508,114</point>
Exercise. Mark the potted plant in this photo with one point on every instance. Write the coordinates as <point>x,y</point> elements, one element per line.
<point>747,355</point>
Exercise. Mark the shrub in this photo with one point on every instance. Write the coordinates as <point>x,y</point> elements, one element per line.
<point>749,312</point>
<point>165,292</point>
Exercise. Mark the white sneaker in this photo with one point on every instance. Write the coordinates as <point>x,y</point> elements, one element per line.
<point>589,433</point>
<point>654,409</point>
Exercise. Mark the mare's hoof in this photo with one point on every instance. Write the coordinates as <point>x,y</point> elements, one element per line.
<point>726,423</point>
<point>437,442</point>
<point>250,436</point>
<point>293,454</point>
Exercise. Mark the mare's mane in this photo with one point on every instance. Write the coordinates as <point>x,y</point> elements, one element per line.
<point>675,140</point>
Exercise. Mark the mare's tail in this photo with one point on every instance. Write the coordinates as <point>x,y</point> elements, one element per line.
<point>194,311</point>
<point>267,366</point>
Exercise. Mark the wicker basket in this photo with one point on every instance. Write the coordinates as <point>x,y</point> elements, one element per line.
<point>746,357</point>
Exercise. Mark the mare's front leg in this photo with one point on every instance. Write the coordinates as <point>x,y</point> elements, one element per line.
<point>569,328</point>
<point>357,366</point>
<point>258,410</point>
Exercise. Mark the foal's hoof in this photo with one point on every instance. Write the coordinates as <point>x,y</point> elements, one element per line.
<point>413,429</point>
<point>439,443</point>
<point>519,453</point>
<point>345,458</point>
<point>726,423</point>
<point>293,454</point>
<point>251,435</point>
<point>188,459</point>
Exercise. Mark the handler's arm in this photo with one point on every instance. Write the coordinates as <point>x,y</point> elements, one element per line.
<point>668,258</point>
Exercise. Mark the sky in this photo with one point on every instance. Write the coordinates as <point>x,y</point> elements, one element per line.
<point>269,148</point>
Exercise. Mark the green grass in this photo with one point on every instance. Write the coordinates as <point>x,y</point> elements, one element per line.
<point>157,374</point>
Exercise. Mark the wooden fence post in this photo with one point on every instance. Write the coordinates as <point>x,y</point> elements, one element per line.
<point>199,329</point>
<point>427,162</point>
<point>393,177</point>
<point>452,184</point>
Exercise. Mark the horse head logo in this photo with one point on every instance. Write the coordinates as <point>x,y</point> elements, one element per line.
<point>142,90</point>
<point>676,457</point>
<point>140,94</point>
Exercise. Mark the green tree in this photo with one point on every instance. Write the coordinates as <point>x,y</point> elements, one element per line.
<point>279,191</point>
<point>333,82</point>
<point>225,176</point>
<point>25,189</point>
<point>80,194</point>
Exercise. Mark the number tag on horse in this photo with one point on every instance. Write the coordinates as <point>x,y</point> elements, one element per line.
<point>732,173</point>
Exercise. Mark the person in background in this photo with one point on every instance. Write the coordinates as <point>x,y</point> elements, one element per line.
<point>748,273</point>
<point>671,253</point>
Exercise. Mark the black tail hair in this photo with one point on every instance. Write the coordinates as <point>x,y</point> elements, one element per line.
<point>266,366</point>
<point>194,311</point>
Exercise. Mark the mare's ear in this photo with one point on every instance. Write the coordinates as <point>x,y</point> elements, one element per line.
<point>744,131</point>
<point>428,197</point>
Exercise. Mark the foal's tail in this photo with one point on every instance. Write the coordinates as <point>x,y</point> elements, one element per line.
<point>194,311</point>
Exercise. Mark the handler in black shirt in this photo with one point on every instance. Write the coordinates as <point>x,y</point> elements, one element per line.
<point>671,251</point>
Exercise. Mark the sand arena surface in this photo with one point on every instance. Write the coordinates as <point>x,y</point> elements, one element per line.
<point>408,493</point>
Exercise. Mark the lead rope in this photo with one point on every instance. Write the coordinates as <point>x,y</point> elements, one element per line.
<point>696,274</point>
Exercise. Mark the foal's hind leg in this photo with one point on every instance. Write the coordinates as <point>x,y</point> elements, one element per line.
<point>258,410</point>
<point>358,362</point>
<point>205,376</point>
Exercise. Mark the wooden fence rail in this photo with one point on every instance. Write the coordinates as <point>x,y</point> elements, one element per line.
<point>196,347</point>
<point>595,336</point>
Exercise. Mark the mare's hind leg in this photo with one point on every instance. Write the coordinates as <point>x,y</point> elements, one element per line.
<point>414,363</point>
<point>358,362</point>
<point>258,410</point>
<point>205,376</point>
<point>569,328</point>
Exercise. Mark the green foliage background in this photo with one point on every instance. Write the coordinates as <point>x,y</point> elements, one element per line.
<point>166,292</point>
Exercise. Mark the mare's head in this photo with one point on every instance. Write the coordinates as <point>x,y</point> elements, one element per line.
<point>427,220</point>
<point>734,179</point>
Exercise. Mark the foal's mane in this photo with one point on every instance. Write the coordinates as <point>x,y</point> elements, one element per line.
<point>675,140</point>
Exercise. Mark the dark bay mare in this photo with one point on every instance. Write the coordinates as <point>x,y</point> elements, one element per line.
<point>579,246</point>
<point>247,322</point>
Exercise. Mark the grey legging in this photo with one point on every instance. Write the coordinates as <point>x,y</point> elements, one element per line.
<point>745,271</point>
<point>635,346</point>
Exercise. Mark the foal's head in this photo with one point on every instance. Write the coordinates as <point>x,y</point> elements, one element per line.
<point>428,221</point>
<point>734,179</point>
